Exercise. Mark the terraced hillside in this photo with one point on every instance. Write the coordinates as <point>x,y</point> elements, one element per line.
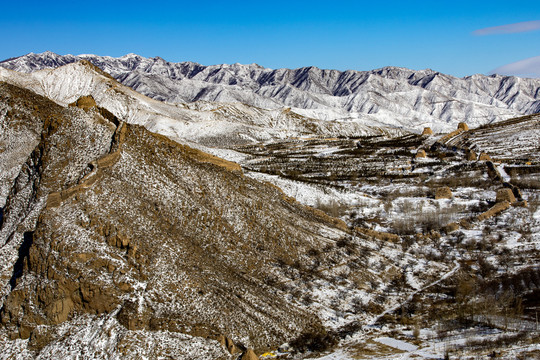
<point>442,203</point>
<point>514,139</point>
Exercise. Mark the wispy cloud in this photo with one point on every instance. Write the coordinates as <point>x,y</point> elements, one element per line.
<point>528,67</point>
<point>509,28</point>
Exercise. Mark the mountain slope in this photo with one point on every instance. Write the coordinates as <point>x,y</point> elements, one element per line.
<point>517,138</point>
<point>213,124</point>
<point>108,220</point>
<point>392,96</point>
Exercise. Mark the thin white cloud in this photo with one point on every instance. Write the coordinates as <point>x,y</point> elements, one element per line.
<point>528,68</point>
<point>519,27</point>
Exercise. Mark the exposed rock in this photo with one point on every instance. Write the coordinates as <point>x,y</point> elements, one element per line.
<point>427,131</point>
<point>249,355</point>
<point>85,102</point>
<point>470,98</point>
<point>20,131</point>
<point>484,157</point>
<point>463,126</point>
<point>471,155</point>
<point>505,195</point>
<point>128,245</point>
<point>450,228</point>
<point>228,344</point>
<point>421,154</point>
<point>191,251</point>
<point>443,192</point>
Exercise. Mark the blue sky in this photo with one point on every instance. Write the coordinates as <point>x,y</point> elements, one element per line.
<point>446,36</point>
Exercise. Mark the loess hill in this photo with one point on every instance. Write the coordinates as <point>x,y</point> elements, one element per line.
<point>108,223</point>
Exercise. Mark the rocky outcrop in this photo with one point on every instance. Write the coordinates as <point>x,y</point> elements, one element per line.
<point>505,195</point>
<point>443,192</point>
<point>249,355</point>
<point>420,154</point>
<point>427,131</point>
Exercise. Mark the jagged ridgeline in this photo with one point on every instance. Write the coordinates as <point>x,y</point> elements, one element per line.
<point>391,96</point>
<point>154,247</point>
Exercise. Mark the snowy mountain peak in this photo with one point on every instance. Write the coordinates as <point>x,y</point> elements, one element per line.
<point>389,96</point>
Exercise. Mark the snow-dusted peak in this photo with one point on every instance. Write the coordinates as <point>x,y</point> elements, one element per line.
<point>393,96</point>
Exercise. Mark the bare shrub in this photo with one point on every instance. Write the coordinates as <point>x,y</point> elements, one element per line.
<point>332,208</point>
<point>415,218</point>
<point>501,341</point>
<point>416,331</point>
<point>314,341</point>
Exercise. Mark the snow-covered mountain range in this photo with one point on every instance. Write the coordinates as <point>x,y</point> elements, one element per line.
<point>390,96</point>
<point>212,124</point>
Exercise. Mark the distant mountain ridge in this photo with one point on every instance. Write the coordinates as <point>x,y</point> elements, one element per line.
<point>390,96</point>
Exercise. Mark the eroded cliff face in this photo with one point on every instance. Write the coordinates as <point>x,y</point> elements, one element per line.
<point>108,220</point>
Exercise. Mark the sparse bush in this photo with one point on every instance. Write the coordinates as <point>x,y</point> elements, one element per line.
<point>344,242</point>
<point>313,252</point>
<point>414,218</point>
<point>307,299</point>
<point>500,342</point>
<point>314,341</point>
<point>271,280</point>
<point>484,267</point>
<point>332,208</point>
<point>416,331</point>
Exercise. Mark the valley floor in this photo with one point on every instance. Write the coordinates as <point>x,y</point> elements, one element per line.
<point>466,280</point>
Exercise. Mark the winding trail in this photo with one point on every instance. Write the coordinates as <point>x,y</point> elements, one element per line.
<point>410,297</point>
